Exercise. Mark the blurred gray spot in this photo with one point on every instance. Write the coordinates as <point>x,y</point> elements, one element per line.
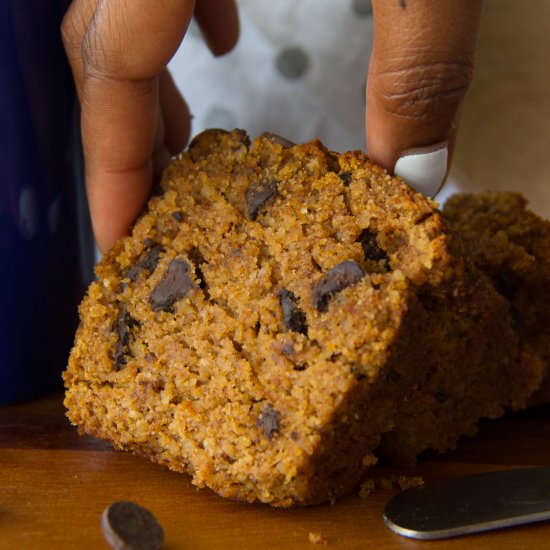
<point>363,8</point>
<point>292,62</point>
<point>28,212</point>
<point>220,117</point>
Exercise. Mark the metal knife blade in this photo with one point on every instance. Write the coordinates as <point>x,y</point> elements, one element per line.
<point>471,504</point>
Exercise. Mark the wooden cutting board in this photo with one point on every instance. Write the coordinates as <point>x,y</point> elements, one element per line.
<point>55,484</point>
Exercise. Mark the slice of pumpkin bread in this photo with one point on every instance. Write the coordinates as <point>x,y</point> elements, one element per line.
<point>278,308</point>
<point>511,244</point>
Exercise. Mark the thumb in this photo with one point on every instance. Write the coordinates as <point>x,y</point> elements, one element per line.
<point>420,69</point>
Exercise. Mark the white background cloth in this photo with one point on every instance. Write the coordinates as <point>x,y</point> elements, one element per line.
<point>246,89</point>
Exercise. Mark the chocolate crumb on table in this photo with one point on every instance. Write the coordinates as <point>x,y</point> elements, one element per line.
<point>388,483</point>
<point>316,537</point>
<point>129,526</point>
<point>301,313</point>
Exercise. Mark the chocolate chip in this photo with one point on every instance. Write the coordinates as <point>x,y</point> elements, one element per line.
<point>293,317</point>
<point>123,326</point>
<point>337,279</point>
<point>268,421</point>
<point>370,246</point>
<point>175,284</point>
<point>128,526</point>
<point>151,258</point>
<point>346,177</point>
<point>279,140</point>
<point>147,262</point>
<point>178,215</point>
<point>257,196</point>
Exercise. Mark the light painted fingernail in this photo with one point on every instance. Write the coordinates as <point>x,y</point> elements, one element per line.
<point>424,168</point>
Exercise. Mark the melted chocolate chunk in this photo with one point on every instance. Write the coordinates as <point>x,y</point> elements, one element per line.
<point>128,525</point>
<point>293,317</point>
<point>275,138</point>
<point>147,262</point>
<point>257,196</point>
<point>346,177</point>
<point>177,215</point>
<point>337,279</point>
<point>123,326</point>
<point>268,421</point>
<point>370,246</point>
<point>175,284</point>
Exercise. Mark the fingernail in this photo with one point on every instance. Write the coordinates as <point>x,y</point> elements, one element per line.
<point>424,168</point>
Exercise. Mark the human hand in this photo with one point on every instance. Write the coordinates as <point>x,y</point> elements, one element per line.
<point>421,67</point>
<point>133,117</point>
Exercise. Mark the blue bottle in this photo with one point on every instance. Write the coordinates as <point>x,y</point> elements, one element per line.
<point>46,247</point>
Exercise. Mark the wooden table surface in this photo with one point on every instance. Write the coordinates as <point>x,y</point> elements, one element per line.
<point>54,485</point>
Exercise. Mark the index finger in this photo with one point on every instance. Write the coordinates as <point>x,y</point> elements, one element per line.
<point>126,47</point>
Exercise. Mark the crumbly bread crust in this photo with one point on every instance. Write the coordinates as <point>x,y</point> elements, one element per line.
<point>511,245</point>
<point>275,312</point>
